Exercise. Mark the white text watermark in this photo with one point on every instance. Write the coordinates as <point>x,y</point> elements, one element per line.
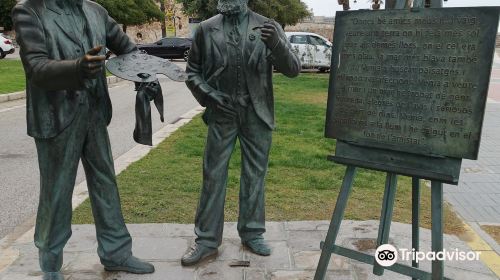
<point>387,255</point>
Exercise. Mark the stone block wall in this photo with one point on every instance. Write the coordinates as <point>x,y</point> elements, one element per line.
<point>151,32</point>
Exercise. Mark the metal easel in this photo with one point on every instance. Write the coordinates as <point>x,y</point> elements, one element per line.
<point>329,247</point>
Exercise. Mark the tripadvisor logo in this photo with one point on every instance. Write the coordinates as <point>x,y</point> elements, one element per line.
<point>387,255</point>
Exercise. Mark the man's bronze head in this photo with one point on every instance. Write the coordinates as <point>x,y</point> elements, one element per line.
<point>232,7</point>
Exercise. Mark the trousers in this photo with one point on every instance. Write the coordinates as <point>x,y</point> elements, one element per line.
<point>255,139</point>
<point>85,139</point>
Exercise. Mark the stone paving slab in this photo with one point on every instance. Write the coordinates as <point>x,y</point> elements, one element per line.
<point>295,254</point>
<point>477,197</point>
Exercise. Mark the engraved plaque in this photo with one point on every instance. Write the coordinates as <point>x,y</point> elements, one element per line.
<point>412,81</point>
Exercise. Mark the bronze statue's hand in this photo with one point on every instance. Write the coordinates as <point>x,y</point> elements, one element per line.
<point>270,35</point>
<point>91,64</point>
<point>222,102</point>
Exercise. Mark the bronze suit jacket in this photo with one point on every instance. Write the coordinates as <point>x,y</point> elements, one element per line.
<point>48,52</point>
<point>208,58</point>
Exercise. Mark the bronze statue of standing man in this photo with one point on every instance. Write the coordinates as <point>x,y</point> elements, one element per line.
<point>68,110</point>
<point>230,70</point>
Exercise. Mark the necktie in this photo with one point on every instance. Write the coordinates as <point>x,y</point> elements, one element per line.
<point>236,36</point>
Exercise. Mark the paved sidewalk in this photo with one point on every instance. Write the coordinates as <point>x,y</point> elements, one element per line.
<point>295,254</point>
<point>477,197</point>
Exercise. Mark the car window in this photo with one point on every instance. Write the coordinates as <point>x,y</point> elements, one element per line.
<point>166,41</point>
<point>298,39</point>
<point>177,41</point>
<point>317,41</point>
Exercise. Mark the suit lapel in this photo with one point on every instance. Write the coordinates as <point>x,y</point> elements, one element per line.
<point>219,39</point>
<point>94,32</point>
<point>62,21</point>
<point>253,41</point>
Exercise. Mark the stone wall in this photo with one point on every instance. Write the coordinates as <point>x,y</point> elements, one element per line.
<point>150,33</point>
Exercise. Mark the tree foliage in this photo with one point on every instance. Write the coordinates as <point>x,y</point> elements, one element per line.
<point>5,9</point>
<point>286,12</point>
<point>132,12</point>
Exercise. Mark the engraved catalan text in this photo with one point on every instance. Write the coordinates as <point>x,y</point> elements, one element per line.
<point>411,81</point>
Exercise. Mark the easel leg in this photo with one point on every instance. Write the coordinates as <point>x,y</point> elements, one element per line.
<point>415,217</point>
<point>386,216</point>
<point>338,215</point>
<point>437,228</point>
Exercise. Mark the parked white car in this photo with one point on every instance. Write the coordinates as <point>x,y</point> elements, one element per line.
<point>314,51</point>
<point>6,46</point>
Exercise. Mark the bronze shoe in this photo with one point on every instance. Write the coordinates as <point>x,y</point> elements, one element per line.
<point>197,253</point>
<point>258,246</point>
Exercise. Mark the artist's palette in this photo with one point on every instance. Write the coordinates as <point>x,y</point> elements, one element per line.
<point>141,67</point>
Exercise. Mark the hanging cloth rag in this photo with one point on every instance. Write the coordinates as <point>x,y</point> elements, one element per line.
<point>146,92</point>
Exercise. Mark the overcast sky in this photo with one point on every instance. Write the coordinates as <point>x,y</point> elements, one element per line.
<point>329,7</point>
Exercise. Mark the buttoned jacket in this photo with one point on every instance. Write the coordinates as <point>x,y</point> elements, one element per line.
<point>49,49</point>
<point>208,59</point>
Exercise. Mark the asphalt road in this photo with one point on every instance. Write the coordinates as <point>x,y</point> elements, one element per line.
<point>19,175</point>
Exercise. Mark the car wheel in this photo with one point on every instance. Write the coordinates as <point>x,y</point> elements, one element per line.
<point>323,69</point>
<point>2,54</point>
<point>186,55</point>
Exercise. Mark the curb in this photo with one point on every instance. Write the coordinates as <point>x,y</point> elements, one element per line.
<point>477,244</point>
<point>9,255</point>
<point>22,94</point>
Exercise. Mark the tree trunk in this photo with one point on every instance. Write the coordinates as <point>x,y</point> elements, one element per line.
<point>124,28</point>
<point>163,25</point>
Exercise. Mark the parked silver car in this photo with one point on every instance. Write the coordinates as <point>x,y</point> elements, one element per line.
<point>313,50</point>
<point>6,46</point>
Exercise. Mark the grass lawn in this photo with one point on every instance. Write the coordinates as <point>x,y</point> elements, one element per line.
<point>12,76</point>
<point>164,186</point>
<point>493,231</point>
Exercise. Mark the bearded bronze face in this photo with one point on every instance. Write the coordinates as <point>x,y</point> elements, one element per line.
<point>232,7</point>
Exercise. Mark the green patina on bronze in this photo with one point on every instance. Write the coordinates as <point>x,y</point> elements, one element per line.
<point>414,81</point>
<point>68,110</point>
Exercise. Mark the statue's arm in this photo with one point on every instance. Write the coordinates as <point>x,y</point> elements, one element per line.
<point>282,56</point>
<point>194,69</point>
<point>116,40</point>
<point>42,71</point>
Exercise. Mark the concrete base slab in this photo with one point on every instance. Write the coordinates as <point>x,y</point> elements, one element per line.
<point>295,254</point>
